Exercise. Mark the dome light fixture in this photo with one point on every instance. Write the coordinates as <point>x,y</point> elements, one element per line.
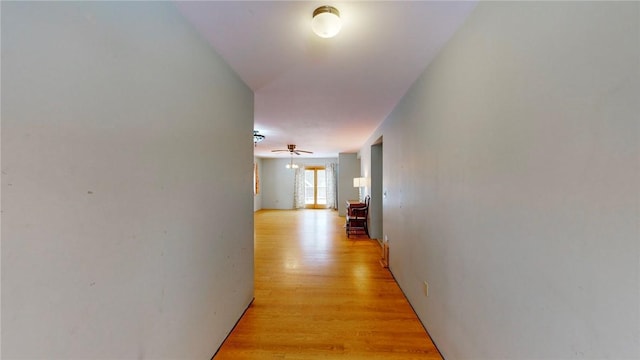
<point>326,21</point>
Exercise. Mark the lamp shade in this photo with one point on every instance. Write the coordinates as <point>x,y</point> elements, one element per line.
<point>326,21</point>
<point>359,182</point>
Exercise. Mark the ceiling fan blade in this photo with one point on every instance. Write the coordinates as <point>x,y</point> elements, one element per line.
<point>292,150</point>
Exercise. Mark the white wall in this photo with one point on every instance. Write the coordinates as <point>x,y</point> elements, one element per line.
<point>127,229</point>
<point>277,180</point>
<point>511,170</point>
<point>348,169</point>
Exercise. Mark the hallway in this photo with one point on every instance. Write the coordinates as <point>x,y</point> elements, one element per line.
<point>319,295</point>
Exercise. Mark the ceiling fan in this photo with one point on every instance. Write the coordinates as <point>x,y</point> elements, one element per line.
<point>291,148</point>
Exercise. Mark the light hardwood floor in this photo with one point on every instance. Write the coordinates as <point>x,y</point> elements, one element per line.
<point>319,295</point>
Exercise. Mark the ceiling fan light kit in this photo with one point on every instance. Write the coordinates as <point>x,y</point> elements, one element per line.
<point>257,137</point>
<point>291,165</point>
<point>326,21</point>
<point>291,149</point>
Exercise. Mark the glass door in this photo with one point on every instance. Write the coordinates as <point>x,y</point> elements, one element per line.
<point>315,188</point>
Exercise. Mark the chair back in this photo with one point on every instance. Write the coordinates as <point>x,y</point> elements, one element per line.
<point>361,212</point>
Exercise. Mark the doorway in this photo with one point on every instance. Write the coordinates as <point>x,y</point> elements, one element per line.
<point>315,187</point>
<point>375,206</point>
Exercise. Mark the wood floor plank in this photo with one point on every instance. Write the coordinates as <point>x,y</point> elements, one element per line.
<point>320,295</point>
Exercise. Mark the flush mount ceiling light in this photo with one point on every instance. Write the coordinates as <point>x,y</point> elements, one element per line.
<point>326,21</point>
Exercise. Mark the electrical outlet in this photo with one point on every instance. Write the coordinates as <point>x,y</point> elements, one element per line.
<point>425,288</point>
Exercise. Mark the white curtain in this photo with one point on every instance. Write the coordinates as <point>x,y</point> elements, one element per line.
<point>332,180</point>
<point>298,189</point>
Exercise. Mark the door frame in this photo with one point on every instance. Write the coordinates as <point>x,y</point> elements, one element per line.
<point>315,205</point>
<point>375,206</point>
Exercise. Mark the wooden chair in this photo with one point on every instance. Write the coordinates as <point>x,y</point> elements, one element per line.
<point>357,219</point>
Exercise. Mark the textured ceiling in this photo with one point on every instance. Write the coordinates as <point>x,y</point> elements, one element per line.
<point>325,95</point>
